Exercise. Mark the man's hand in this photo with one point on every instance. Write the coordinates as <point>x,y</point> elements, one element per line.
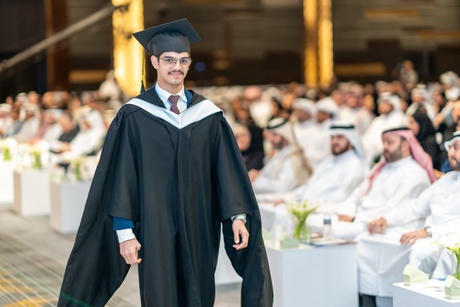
<point>346,218</point>
<point>239,229</point>
<point>278,202</point>
<point>129,249</point>
<point>377,226</point>
<point>410,237</point>
<point>253,174</point>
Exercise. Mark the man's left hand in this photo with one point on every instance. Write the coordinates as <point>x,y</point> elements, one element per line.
<point>240,233</point>
<point>409,238</point>
<point>346,218</point>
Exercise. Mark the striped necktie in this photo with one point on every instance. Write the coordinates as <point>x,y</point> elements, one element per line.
<point>173,99</point>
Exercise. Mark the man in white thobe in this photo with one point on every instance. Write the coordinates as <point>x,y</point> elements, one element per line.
<point>332,182</point>
<point>88,140</point>
<point>402,175</point>
<point>391,116</point>
<point>288,168</point>
<point>30,124</point>
<point>304,121</point>
<point>317,149</point>
<point>437,206</point>
<point>421,100</point>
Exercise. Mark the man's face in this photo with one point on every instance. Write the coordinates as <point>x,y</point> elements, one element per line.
<point>418,98</point>
<point>302,115</point>
<point>339,144</point>
<point>170,75</point>
<point>392,147</point>
<point>454,155</point>
<point>322,116</point>
<point>277,140</point>
<point>385,107</point>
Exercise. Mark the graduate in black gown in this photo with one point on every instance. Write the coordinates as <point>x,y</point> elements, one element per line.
<point>169,179</point>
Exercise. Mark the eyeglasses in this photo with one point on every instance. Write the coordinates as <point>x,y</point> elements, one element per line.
<point>171,62</point>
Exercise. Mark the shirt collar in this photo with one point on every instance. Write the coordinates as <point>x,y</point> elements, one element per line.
<point>164,95</point>
<point>344,155</point>
<point>398,162</point>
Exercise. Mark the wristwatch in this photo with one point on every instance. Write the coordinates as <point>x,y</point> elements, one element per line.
<point>239,217</point>
<point>428,230</point>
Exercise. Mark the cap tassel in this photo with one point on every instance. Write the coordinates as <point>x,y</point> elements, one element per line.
<point>142,79</point>
<point>142,86</point>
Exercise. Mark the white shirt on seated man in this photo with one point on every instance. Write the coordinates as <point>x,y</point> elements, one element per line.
<point>437,206</point>
<point>331,183</point>
<point>288,168</point>
<point>403,174</point>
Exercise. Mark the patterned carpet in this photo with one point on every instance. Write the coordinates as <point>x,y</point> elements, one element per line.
<point>33,259</point>
<point>28,278</point>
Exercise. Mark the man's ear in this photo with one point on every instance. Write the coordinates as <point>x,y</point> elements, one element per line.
<point>154,61</point>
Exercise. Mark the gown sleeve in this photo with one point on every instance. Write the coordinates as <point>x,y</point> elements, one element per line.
<point>95,269</point>
<point>235,197</point>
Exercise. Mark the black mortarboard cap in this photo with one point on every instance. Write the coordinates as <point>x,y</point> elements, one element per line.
<point>171,36</point>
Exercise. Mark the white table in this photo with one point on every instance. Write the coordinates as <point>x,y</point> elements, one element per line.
<point>31,192</point>
<point>6,182</point>
<point>67,203</point>
<point>314,276</point>
<point>428,295</point>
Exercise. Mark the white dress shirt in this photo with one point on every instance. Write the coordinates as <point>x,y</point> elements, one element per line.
<point>164,95</point>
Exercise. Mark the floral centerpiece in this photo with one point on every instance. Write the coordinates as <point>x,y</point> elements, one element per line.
<point>455,249</point>
<point>451,241</point>
<point>300,213</point>
<point>7,146</point>
<point>36,154</point>
<point>76,167</point>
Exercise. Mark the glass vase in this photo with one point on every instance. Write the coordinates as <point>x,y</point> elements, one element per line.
<point>457,270</point>
<point>302,232</point>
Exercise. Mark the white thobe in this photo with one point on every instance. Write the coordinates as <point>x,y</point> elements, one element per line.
<point>52,133</point>
<point>333,181</point>
<point>335,178</point>
<point>396,183</point>
<point>28,130</point>
<point>317,146</point>
<point>447,265</point>
<point>440,203</point>
<point>381,258</point>
<point>372,138</point>
<point>349,115</point>
<point>283,172</point>
<point>88,140</point>
<point>261,111</point>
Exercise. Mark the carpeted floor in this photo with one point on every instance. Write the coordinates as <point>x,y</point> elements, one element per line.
<point>33,259</point>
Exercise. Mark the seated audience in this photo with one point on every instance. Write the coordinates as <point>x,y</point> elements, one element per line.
<point>390,115</point>
<point>405,171</point>
<point>331,183</point>
<point>288,168</point>
<point>437,206</point>
<point>317,149</point>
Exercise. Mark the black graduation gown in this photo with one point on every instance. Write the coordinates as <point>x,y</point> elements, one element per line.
<point>178,186</point>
